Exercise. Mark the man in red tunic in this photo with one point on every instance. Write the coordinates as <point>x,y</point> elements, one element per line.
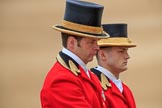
<point>69,84</point>
<point>112,60</point>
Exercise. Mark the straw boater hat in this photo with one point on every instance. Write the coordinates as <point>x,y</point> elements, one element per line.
<point>118,36</point>
<point>82,19</point>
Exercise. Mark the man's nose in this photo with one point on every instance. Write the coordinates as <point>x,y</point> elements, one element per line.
<point>97,47</point>
<point>127,55</point>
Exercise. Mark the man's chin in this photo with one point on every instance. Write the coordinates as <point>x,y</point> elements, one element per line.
<point>123,69</point>
<point>90,59</point>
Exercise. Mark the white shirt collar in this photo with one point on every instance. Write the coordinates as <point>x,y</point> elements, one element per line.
<point>77,59</point>
<point>106,72</point>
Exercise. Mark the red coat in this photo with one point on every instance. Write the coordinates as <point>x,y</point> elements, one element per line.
<point>114,98</point>
<point>66,88</point>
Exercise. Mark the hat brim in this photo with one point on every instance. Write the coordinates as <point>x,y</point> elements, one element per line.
<point>78,33</point>
<point>121,44</point>
<point>116,42</point>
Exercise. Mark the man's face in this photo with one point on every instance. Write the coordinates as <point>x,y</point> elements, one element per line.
<point>117,58</point>
<point>86,48</point>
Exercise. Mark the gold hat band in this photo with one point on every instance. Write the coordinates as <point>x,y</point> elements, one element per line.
<point>82,28</point>
<point>115,42</point>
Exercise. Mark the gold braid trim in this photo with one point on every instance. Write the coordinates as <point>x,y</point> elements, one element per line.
<point>115,42</point>
<point>82,28</point>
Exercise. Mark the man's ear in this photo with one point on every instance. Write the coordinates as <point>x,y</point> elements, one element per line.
<point>102,54</point>
<point>71,42</point>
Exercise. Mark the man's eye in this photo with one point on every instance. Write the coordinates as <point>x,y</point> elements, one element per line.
<point>91,42</point>
<point>121,51</point>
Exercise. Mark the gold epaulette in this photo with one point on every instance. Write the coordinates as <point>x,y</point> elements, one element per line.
<point>72,67</point>
<point>105,82</point>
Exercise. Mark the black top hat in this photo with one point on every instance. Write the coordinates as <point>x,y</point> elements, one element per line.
<point>118,36</point>
<point>82,19</point>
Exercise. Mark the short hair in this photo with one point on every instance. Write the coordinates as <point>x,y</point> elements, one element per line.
<point>65,37</point>
<point>103,48</point>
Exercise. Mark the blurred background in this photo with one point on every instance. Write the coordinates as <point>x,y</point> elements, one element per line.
<point>29,45</point>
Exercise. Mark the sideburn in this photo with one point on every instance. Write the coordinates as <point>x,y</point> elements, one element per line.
<point>78,40</point>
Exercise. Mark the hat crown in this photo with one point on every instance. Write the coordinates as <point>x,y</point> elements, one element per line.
<point>82,18</point>
<point>84,13</point>
<point>118,36</point>
<point>116,30</point>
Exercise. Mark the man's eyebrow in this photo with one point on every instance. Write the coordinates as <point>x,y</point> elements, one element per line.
<point>123,48</point>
